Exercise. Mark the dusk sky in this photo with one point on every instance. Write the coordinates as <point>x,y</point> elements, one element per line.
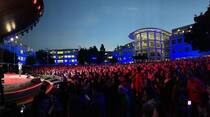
<point>84,23</point>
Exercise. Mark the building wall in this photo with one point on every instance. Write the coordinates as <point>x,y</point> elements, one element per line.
<point>125,53</point>
<point>64,56</point>
<point>16,47</point>
<point>152,41</point>
<point>178,47</point>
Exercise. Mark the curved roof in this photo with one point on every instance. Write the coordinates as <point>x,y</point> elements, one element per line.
<point>131,35</point>
<point>19,15</point>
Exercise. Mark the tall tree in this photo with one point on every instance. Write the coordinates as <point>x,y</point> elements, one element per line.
<point>199,36</point>
<point>44,57</point>
<point>82,56</point>
<point>102,52</point>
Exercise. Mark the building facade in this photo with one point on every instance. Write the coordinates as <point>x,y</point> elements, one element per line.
<point>179,49</point>
<point>64,56</point>
<point>125,53</point>
<point>153,42</point>
<point>16,46</point>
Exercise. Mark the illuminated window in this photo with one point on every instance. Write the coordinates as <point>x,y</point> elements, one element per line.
<point>69,56</point>
<point>144,36</point>
<point>157,36</point>
<point>151,44</point>
<point>60,57</point>
<point>144,44</point>
<point>52,52</point>
<point>60,61</point>
<point>60,52</point>
<point>65,56</point>
<point>138,36</point>
<point>72,56</point>
<point>151,35</point>
<point>165,37</point>
<point>54,56</point>
<point>21,51</point>
<point>66,61</point>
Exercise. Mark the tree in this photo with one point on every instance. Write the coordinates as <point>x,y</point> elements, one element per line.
<point>102,49</point>
<point>91,55</point>
<point>44,57</point>
<point>101,56</point>
<point>82,56</point>
<point>30,60</point>
<point>199,37</point>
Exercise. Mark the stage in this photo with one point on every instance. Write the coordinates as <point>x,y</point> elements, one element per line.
<point>20,89</point>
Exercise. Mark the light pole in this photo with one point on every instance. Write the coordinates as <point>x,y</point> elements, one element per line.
<point>13,44</point>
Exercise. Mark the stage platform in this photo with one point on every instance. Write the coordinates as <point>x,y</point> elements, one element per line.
<point>13,82</point>
<point>20,89</point>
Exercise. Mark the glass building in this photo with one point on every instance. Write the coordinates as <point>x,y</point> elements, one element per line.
<point>153,42</point>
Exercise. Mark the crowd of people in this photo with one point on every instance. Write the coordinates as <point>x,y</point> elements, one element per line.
<point>178,88</point>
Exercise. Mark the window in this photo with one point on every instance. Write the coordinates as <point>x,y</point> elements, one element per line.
<point>60,52</point>
<point>157,36</point>
<point>157,45</point>
<point>138,36</point>
<point>21,51</point>
<point>144,36</point>
<point>151,35</point>
<point>144,44</point>
<point>165,37</point>
<point>60,57</point>
<point>151,44</point>
<point>52,52</point>
<point>60,61</point>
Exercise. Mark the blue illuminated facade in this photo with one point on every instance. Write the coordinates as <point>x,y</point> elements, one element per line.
<point>179,49</point>
<point>64,56</point>
<point>17,47</point>
<point>124,54</point>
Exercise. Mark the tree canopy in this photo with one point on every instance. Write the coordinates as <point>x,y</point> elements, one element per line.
<point>91,55</point>
<point>199,36</point>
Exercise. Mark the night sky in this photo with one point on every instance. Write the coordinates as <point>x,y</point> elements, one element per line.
<point>84,23</point>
